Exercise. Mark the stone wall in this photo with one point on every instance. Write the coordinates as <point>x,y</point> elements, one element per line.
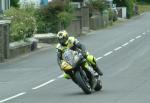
<point>1,43</point>
<point>99,20</point>
<point>83,13</point>
<point>19,48</point>
<point>85,17</point>
<point>74,28</point>
<point>4,39</point>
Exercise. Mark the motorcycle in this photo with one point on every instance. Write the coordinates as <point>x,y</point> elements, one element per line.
<point>87,79</point>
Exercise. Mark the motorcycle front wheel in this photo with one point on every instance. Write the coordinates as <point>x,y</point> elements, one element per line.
<point>85,86</point>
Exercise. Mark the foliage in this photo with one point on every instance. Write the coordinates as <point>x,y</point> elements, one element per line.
<point>14,3</point>
<point>128,3</point>
<point>143,7</point>
<point>110,14</point>
<point>23,23</point>
<point>98,5</point>
<point>50,17</point>
<point>65,18</point>
<point>144,1</point>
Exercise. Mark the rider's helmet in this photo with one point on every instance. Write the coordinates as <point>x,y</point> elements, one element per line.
<point>62,37</point>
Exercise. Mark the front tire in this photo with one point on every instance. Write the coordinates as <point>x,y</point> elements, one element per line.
<point>83,83</point>
<point>99,85</point>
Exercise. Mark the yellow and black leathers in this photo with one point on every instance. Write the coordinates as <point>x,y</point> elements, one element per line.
<point>74,44</point>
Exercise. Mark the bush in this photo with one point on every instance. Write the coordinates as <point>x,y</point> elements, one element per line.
<point>14,3</point>
<point>23,23</point>
<point>97,5</point>
<point>127,3</point>
<point>50,17</point>
<point>65,18</point>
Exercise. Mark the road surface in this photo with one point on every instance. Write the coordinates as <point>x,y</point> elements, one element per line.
<point>122,51</point>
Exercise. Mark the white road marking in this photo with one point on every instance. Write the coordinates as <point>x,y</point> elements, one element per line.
<point>118,48</point>
<point>142,14</point>
<point>99,58</point>
<point>10,98</point>
<point>60,76</point>
<point>138,36</point>
<point>144,33</point>
<point>132,40</point>
<point>125,44</point>
<point>108,53</point>
<point>46,83</point>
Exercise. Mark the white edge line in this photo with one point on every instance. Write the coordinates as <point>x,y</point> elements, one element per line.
<point>99,58</point>
<point>138,36</point>
<point>46,83</point>
<point>108,53</point>
<point>132,40</point>
<point>15,96</point>
<point>60,76</point>
<point>142,14</point>
<point>118,48</point>
<point>125,44</point>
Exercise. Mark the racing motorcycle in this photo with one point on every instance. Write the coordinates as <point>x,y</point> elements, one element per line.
<point>74,65</point>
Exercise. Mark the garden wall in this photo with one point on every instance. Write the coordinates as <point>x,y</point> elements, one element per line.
<point>4,39</point>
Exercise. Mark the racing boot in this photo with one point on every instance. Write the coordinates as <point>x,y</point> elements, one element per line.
<point>92,60</point>
<point>97,70</point>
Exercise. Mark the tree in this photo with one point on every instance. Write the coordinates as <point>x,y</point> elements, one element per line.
<point>127,3</point>
<point>77,0</point>
<point>14,3</point>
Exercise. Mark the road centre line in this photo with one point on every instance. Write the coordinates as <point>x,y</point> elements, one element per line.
<point>118,48</point>
<point>99,58</point>
<point>10,98</point>
<point>125,44</point>
<point>60,76</point>
<point>131,40</point>
<point>108,53</point>
<point>138,36</point>
<point>144,33</point>
<point>52,80</point>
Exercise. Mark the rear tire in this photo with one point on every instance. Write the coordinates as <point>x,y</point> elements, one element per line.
<point>82,83</point>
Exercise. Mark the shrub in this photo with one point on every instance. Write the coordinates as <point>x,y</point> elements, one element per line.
<point>127,3</point>
<point>56,13</point>
<point>65,18</point>
<point>98,5</point>
<point>14,3</point>
<point>23,23</point>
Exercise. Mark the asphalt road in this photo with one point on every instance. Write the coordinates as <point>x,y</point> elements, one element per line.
<point>122,51</point>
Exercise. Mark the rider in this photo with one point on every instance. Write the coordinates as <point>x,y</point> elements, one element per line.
<point>71,42</point>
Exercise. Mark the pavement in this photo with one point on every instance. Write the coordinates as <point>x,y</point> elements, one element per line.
<point>122,52</point>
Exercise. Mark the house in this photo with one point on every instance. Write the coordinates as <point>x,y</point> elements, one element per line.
<point>37,3</point>
<point>4,4</point>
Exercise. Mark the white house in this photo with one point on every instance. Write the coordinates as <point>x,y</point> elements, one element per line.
<point>4,4</point>
<point>37,3</point>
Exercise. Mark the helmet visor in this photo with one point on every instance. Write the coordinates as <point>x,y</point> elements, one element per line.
<point>62,40</point>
